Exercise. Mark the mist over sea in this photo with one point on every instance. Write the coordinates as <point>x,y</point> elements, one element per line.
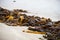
<point>42,8</point>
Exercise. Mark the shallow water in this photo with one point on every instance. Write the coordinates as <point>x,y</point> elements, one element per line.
<point>42,8</point>
<point>15,33</point>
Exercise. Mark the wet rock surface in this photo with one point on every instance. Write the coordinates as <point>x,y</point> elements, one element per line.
<point>40,24</point>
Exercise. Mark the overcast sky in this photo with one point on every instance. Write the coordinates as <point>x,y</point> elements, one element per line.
<point>46,8</point>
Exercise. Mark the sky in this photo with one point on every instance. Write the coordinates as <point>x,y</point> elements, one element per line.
<point>43,8</point>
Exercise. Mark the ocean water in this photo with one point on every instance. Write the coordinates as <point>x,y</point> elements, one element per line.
<point>15,33</point>
<point>42,8</point>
